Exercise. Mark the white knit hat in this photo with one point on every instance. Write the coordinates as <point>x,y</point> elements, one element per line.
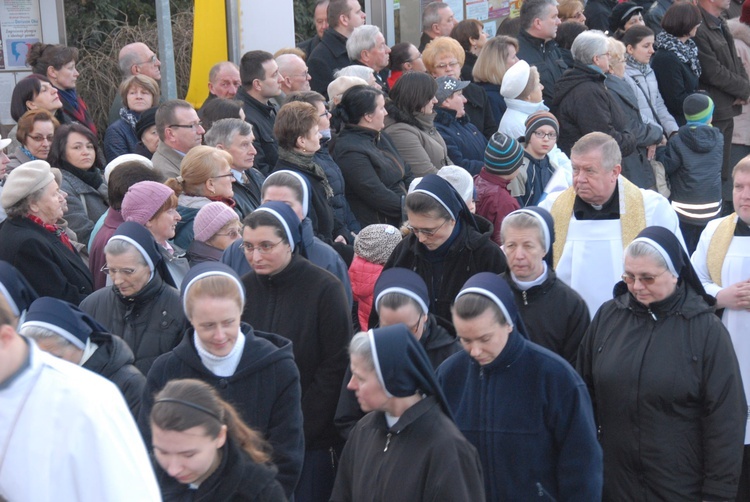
<point>515,80</point>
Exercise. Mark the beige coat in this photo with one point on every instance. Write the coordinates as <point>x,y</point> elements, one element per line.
<point>741,34</point>
<point>421,147</point>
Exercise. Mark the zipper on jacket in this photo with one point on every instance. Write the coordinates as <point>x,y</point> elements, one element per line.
<point>525,299</point>
<point>481,372</point>
<point>387,441</point>
<point>653,316</point>
<point>540,491</point>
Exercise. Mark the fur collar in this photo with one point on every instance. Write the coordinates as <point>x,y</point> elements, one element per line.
<point>740,31</point>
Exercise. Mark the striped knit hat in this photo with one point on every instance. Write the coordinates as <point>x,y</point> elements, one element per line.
<point>539,119</point>
<point>698,108</point>
<point>503,155</point>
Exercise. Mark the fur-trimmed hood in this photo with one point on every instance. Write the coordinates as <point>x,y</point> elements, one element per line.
<point>740,31</point>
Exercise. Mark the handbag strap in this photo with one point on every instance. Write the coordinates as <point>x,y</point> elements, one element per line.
<point>648,100</point>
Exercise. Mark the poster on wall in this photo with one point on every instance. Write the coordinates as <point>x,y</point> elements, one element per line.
<point>477,10</point>
<point>498,9</point>
<point>515,8</point>
<point>20,28</point>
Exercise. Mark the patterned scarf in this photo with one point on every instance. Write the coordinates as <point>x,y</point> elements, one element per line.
<point>58,231</point>
<point>75,109</point>
<point>27,152</point>
<point>306,163</point>
<point>129,116</point>
<point>644,68</point>
<point>686,52</point>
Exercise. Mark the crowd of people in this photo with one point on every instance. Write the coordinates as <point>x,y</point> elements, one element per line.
<point>462,269</point>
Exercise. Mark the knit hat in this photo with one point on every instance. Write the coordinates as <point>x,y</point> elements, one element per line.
<point>402,281</point>
<point>143,200</point>
<point>621,13</point>
<point>503,154</point>
<point>376,242</point>
<point>127,157</point>
<point>147,119</point>
<point>208,269</point>
<point>211,218</point>
<point>515,80</point>
<point>302,181</point>
<point>698,108</point>
<point>539,119</point>
<point>496,289</point>
<point>16,289</point>
<point>460,179</point>
<point>25,180</point>
<point>745,15</point>
<point>5,142</point>
<point>288,219</point>
<point>64,319</point>
<point>446,86</point>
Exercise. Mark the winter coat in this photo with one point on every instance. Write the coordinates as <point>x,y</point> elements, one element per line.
<point>85,204</point>
<point>479,110</point>
<point>97,258</point>
<point>494,201</point>
<point>247,195</point>
<point>167,161</point>
<point>375,173</point>
<point>668,398</point>
<point>119,139</point>
<point>330,55</point>
<point>597,14</point>
<point>676,82</point>
<point>177,265</point>
<point>363,275</point>
<point>467,70</point>
<point>16,159</point>
<point>237,479</point>
<point>513,122</point>
<point>264,390</point>
<point>652,107</point>
<point>306,305</point>
<point>583,105</point>
<point>653,16</point>
<point>416,140</point>
<point>151,322</point>
<point>341,209</point>
<point>262,116</point>
<point>635,167</point>
<point>496,100</point>
<point>464,142</point>
<point>199,252</point>
<point>309,45</point>
<point>50,266</point>
<point>471,252</point>
<point>439,345</point>
<point>425,443</point>
<point>741,33</point>
<point>115,361</point>
<point>546,57</point>
<point>537,174</point>
<point>692,161</point>
<point>562,332</point>
<point>528,414</point>
<point>723,77</point>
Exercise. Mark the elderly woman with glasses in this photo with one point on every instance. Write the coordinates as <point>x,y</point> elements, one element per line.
<point>664,381</point>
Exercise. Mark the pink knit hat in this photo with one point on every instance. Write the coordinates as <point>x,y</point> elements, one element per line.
<point>211,218</point>
<point>143,200</point>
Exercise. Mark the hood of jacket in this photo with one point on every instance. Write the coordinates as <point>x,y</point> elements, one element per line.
<point>525,107</point>
<point>701,139</point>
<point>192,201</point>
<point>435,336</point>
<point>113,353</point>
<point>579,74</point>
<point>740,31</point>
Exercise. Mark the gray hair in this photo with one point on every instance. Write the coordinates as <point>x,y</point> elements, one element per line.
<point>215,69</point>
<point>646,250</point>
<point>522,221</point>
<point>534,9</point>
<point>355,70</point>
<point>361,39</point>
<point>224,131</point>
<point>606,144</point>
<point>118,247</point>
<point>38,333</point>
<point>128,57</point>
<point>431,14</point>
<point>360,346</point>
<point>23,206</point>
<point>589,44</point>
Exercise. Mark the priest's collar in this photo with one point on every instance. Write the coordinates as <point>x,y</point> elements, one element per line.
<point>610,210</point>
<point>742,229</point>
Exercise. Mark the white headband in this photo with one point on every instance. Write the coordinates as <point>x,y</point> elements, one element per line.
<point>661,251</point>
<point>422,190</point>
<point>209,274</point>
<point>491,296</point>
<point>283,222</point>
<point>56,329</point>
<point>403,291</point>
<point>140,250</point>
<point>302,181</point>
<point>376,361</point>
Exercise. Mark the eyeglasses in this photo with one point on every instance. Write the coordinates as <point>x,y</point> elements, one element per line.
<point>325,114</point>
<point>232,234</point>
<point>151,60</point>
<point>443,66</point>
<point>39,138</point>
<point>426,233</point>
<point>228,175</point>
<point>545,135</point>
<point>127,272</point>
<point>188,126</point>
<point>300,75</point>
<point>646,280</point>
<point>263,248</point>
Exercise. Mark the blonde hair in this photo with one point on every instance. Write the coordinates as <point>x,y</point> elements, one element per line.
<point>566,9</point>
<point>147,83</point>
<point>531,85</point>
<point>616,52</point>
<point>199,165</point>
<point>440,46</point>
<point>490,66</point>
<point>213,286</point>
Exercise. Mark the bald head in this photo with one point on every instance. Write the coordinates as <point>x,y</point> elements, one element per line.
<point>224,79</point>
<point>138,59</point>
<point>294,72</point>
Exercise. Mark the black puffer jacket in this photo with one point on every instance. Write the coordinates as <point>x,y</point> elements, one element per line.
<point>376,176</point>
<point>562,332</point>
<point>547,58</point>
<point>341,209</point>
<point>472,252</point>
<point>668,398</point>
<point>582,105</point>
<point>262,117</point>
<point>114,361</point>
<point>151,322</point>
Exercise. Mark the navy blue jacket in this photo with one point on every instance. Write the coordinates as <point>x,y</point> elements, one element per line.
<point>529,415</point>
<point>465,143</point>
<point>547,58</point>
<point>262,117</point>
<point>341,209</point>
<point>119,140</point>
<point>497,101</point>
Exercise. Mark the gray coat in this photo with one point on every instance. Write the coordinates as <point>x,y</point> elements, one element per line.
<point>646,90</point>
<point>167,161</point>
<point>85,204</point>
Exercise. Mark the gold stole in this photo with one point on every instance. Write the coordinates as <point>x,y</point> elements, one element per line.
<point>718,247</point>
<point>562,212</point>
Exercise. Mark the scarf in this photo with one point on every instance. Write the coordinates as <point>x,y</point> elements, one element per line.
<point>221,366</point>
<point>129,116</point>
<point>58,231</point>
<point>644,68</point>
<point>75,109</point>
<point>226,200</point>
<point>306,164</point>
<point>71,96</point>
<point>686,52</point>
<point>27,152</point>
<point>92,177</point>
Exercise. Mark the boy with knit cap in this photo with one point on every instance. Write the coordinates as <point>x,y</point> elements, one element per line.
<point>692,160</point>
<point>502,159</point>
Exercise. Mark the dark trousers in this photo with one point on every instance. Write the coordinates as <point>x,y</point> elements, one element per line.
<point>318,474</point>
<point>743,492</point>
<point>692,234</point>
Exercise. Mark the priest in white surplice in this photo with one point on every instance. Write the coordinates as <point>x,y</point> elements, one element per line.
<point>598,217</point>
<point>722,261</point>
<point>66,433</point>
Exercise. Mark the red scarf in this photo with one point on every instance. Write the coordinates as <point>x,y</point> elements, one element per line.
<point>226,200</point>
<point>54,229</point>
